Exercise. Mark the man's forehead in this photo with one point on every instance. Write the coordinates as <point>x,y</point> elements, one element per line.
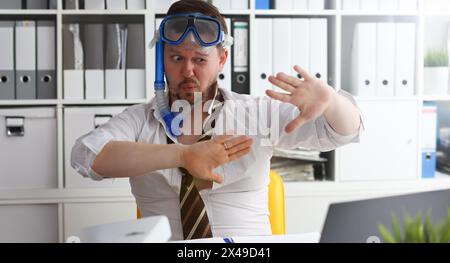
<point>187,48</point>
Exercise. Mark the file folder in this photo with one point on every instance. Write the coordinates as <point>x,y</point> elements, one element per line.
<point>316,4</point>
<point>37,4</point>
<point>71,4</point>
<point>385,59</point>
<point>364,60</point>
<point>318,45</point>
<point>115,4</point>
<point>10,4</point>
<point>73,60</point>
<point>405,59</point>
<point>222,4</point>
<point>136,4</point>
<point>25,59</point>
<point>300,4</point>
<point>224,77</point>
<point>263,56</point>
<point>281,45</point>
<point>135,62</point>
<point>239,4</point>
<point>7,75</point>
<point>115,63</point>
<point>283,4</point>
<point>300,44</point>
<point>52,4</point>
<point>388,5</point>
<point>429,139</point>
<point>240,75</point>
<point>94,4</point>
<point>371,5</point>
<point>94,61</point>
<point>350,4</point>
<point>46,60</point>
<point>407,5</point>
<point>262,4</point>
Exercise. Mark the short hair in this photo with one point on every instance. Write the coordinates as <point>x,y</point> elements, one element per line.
<point>197,6</point>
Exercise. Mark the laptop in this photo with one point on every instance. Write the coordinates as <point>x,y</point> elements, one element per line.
<point>357,221</point>
<point>153,229</point>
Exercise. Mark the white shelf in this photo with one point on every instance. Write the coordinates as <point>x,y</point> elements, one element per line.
<point>436,98</point>
<point>27,102</point>
<point>293,12</point>
<point>28,12</point>
<point>379,13</point>
<point>103,12</point>
<point>103,102</point>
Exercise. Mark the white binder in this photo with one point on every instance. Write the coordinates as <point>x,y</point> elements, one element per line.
<point>224,78</point>
<point>73,62</point>
<point>407,5</point>
<point>135,4</point>
<point>371,5</point>
<point>46,60</point>
<point>300,4</point>
<point>300,44</point>
<point>284,4</point>
<point>94,66</point>
<point>239,4</point>
<point>316,4</point>
<point>115,4</point>
<point>25,52</point>
<point>116,36</point>
<point>94,4</point>
<point>429,127</point>
<point>385,59</point>
<point>281,47</point>
<point>135,62</point>
<point>263,55</point>
<point>363,68</point>
<point>405,59</point>
<point>318,43</point>
<point>388,5</point>
<point>350,4</point>
<point>222,4</point>
<point>7,74</point>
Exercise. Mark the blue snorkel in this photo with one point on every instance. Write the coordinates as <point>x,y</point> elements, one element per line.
<point>160,86</point>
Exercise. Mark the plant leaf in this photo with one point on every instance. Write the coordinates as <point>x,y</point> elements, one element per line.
<point>386,234</point>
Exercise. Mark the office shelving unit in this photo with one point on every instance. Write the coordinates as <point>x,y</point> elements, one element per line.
<point>306,202</point>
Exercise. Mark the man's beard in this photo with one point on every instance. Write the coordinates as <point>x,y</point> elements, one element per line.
<point>179,94</point>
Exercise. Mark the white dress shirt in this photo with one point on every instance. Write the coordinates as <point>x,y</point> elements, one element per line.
<point>238,206</point>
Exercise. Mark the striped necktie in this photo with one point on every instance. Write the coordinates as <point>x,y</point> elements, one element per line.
<point>194,218</point>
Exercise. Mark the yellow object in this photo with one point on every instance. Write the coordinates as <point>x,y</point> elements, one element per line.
<point>276,205</point>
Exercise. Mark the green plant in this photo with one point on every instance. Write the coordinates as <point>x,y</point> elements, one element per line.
<point>416,230</point>
<point>436,58</point>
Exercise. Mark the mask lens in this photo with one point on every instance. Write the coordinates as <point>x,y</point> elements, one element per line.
<point>174,28</point>
<point>208,30</point>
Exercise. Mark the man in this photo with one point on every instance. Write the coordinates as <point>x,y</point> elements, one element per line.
<point>215,187</point>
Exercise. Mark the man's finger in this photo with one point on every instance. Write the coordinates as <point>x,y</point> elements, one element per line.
<point>297,122</point>
<point>278,96</point>
<point>290,80</point>
<point>281,84</point>
<point>217,178</point>
<point>305,74</point>
<point>239,154</point>
<point>236,140</point>
<point>240,146</point>
<point>222,138</point>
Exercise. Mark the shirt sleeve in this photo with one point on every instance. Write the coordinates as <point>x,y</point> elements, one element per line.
<point>125,126</point>
<point>316,134</point>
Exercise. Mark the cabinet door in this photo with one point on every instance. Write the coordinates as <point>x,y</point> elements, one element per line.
<point>388,149</point>
<point>81,215</point>
<point>77,122</point>
<point>29,223</point>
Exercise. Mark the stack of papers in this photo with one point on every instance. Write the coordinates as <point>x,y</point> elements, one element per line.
<point>293,238</point>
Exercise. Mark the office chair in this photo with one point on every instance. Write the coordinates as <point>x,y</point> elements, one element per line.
<point>276,205</point>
